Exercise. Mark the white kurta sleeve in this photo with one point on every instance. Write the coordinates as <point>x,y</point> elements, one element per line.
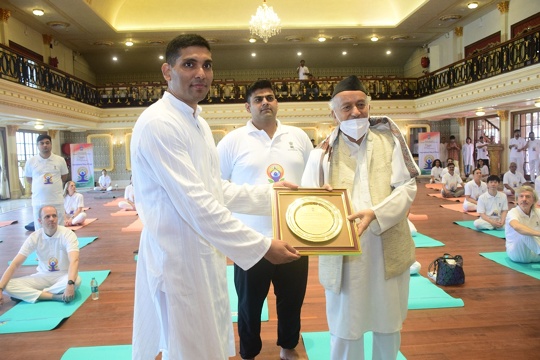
<point>311,175</point>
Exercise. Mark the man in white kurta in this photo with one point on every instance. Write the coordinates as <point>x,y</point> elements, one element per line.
<point>266,151</point>
<point>533,149</point>
<point>517,146</point>
<point>362,292</point>
<point>473,190</point>
<point>482,151</point>
<point>523,228</point>
<point>46,172</point>
<point>181,301</point>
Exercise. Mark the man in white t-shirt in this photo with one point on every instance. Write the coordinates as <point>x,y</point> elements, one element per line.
<point>46,172</point>
<point>303,71</point>
<point>129,198</point>
<point>452,183</point>
<point>533,148</point>
<point>445,170</point>
<point>512,179</point>
<point>517,146</point>
<point>473,190</point>
<point>57,250</point>
<point>104,182</point>
<point>492,206</point>
<point>266,151</point>
<point>523,228</point>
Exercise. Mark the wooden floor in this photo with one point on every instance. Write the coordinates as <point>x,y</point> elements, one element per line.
<point>500,319</point>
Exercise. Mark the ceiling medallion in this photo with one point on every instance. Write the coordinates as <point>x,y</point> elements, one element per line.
<point>294,38</point>
<point>450,17</point>
<point>265,23</point>
<point>58,25</point>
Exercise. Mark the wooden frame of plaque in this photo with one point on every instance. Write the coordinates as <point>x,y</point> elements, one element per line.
<point>314,221</point>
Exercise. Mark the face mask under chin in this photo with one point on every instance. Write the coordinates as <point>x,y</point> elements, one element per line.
<point>355,128</point>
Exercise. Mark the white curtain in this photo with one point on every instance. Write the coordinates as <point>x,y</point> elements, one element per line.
<point>4,184</point>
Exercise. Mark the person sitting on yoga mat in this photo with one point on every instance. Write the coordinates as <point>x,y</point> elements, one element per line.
<point>473,190</point>
<point>73,204</point>
<point>129,198</point>
<point>57,250</point>
<point>104,182</point>
<point>492,206</point>
<point>452,183</point>
<point>523,228</point>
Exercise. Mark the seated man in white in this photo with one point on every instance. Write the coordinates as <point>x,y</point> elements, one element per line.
<point>104,182</point>
<point>523,228</point>
<point>445,170</point>
<point>492,206</point>
<point>436,171</point>
<point>512,180</point>
<point>473,190</point>
<point>129,198</point>
<point>57,250</point>
<point>537,185</point>
<point>452,183</point>
<point>73,205</point>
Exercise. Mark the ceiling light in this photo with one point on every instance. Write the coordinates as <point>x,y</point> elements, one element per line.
<point>252,40</point>
<point>472,5</point>
<point>374,38</point>
<point>115,58</point>
<point>161,57</point>
<point>265,23</point>
<point>38,12</point>
<point>253,54</point>
<point>38,126</point>
<point>299,53</point>
<point>58,25</point>
<point>388,52</point>
<point>537,103</point>
<point>344,53</point>
<point>321,39</point>
<point>480,113</point>
<point>129,43</point>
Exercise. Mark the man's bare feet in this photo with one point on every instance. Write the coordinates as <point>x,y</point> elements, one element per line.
<point>290,354</point>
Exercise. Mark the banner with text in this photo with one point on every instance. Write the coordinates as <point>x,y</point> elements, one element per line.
<point>428,150</point>
<point>82,165</point>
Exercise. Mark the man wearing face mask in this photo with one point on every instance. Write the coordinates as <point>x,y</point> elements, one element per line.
<point>369,157</point>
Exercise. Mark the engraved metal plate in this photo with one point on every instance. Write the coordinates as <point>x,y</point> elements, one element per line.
<point>314,219</point>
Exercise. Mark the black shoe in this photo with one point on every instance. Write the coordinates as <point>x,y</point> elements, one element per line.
<point>30,227</point>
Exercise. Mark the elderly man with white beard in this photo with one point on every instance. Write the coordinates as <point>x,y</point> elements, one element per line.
<point>369,157</point>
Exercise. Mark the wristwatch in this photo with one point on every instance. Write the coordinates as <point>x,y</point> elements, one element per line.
<point>71,282</point>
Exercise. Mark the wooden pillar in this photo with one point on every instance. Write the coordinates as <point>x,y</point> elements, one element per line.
<point>495,154</point>
<point>505,136</point>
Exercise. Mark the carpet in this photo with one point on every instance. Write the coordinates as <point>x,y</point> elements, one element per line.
<point>233,298</point>
<point>424,241</point>
<point>124,213</point>
<point>470,225</point>
<point>9,222</point>
<point>317,345</point>
<point>439,196</point>
<point>501,258</point>
<point>417,217</point>
<point>46,315</point>
<point>424,294</point>
<point>86,222</point>
<point>32,258</point>
<point>459,208</point>
<point>436,186</point>
<point>137,225</point>
<point>112,352</point>
<point>114,202</point>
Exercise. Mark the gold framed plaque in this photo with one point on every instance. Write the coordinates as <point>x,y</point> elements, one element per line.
<point>314,221</point>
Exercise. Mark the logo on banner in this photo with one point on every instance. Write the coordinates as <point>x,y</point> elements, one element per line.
<point>82,175</point>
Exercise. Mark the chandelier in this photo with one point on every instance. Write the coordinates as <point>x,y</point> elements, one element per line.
<point>265,23</point>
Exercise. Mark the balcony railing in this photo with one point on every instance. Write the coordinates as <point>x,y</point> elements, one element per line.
<point>517,53</point>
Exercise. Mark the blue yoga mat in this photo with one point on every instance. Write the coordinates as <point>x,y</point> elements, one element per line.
<point>233,298</point>
<point>113,352</point>
<point>32,258</point>
<point>532,269</point>
<point>470,225</point>
<point>424,241</point>
<point>46,315</point>
<point>424,294</point>
<point>317,345</point>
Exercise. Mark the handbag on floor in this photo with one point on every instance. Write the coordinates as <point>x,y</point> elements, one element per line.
<point>447,270</point>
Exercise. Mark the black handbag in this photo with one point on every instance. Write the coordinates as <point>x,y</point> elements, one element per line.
<point>447,270</point>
